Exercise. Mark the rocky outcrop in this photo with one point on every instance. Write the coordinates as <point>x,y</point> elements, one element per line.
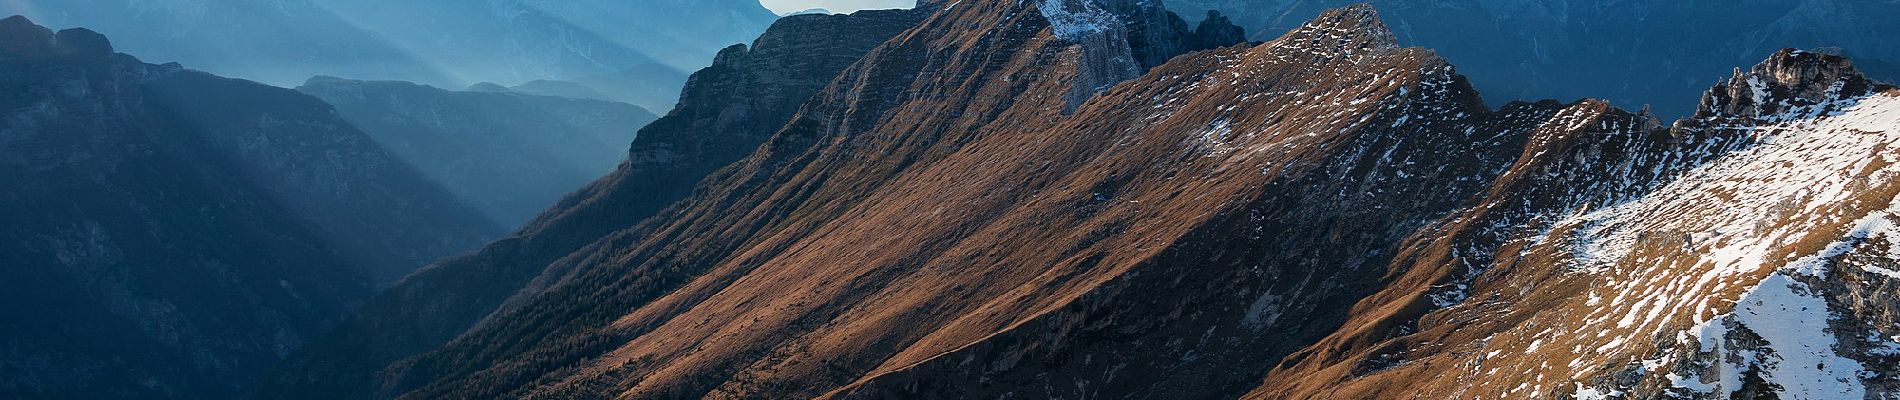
<point>1790,80</point>
<point>725,112</point>
<point>167,233</point>
<point>510,155</point>
<point>1121,39</point>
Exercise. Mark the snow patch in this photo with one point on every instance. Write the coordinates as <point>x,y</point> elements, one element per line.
<point>1883,271</point>
<point>1584,393</point>
<point>1075,19</point>
<point>1792,320</point>
<point>1709,251</point>
<point>1263,312</point>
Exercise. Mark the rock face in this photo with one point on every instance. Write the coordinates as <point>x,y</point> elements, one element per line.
<point>639,52</point>
<point>977,208</point>
<point>167,233</point>
<point>509,155</point>
<point>1627,51</point>
<point>726,111</point>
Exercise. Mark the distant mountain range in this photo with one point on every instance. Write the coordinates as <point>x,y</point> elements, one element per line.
<point>636,51</point>
<point>167,233</point>
<point>508,154</point>
<point>1630,52</point>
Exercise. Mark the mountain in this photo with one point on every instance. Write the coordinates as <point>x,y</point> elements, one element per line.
<point>544,87</point>
<point>167,233</point>
<point>274,41</point>
<point>509,155</point>
<point>1740,253</point>
<point>1631,52</point>
<point>638,51</point>
<point>1064,198</point>
<point>726,111</point>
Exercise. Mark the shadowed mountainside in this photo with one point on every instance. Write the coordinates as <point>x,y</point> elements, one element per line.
<point>167,233</point>
<point>725,112</point>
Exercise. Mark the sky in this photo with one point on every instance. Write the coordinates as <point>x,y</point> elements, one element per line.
<point>843,6</point>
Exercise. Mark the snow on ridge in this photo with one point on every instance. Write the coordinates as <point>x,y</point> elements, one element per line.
<point>1807,157</point>
<point>1706,251</point>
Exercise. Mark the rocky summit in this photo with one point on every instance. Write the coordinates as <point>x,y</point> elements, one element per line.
<point>1085,198</point>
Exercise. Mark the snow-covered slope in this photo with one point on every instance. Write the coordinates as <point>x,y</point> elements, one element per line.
<point>1749,256</point>
<point>1746,267</point>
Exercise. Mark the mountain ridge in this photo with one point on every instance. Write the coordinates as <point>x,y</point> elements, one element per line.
<point>1265,221</point>
<point>1632,52</point>
<point>726,110</point>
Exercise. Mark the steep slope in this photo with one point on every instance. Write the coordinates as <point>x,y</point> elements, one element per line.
<point>1628,51</point>
<point>1757,268</point>
<point>840,263</point>
<point>166,233</point>
<point>638,51</point>
<point>727,110</point>
<point>509,155</point>
<point>1038,199</point>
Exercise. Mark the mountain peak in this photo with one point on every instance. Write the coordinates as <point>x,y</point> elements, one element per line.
<point>731,54</point>
<point>1791,80</point>
<point>82,42</point>
<point>21,36</point>
<point>1216,31</point>
<point>1809,74</point>
<point>1344,30</point>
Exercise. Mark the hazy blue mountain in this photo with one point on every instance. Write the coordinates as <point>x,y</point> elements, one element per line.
<point>544,87</point>
<point>637,51</point>
<point>275,41</point>
<point>728,110</point>
<point>509,154</point>
<point>1631,52</point>
<point>167,233</point>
